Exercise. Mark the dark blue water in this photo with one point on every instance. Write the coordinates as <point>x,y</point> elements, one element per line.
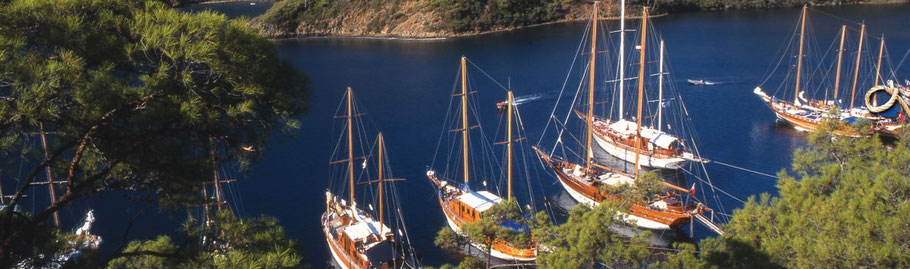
<point>405,86</point>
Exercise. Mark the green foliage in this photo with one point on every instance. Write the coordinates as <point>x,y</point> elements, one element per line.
<point>131,92</point>
<point>674,5</point>
<point>586,240</point>
<point>44,246</point>
<point>646,186</point>
<point>844,205</point>
<point>488,230</point>
<point>228,243</point>
<point>467,15</point>
<point>457,15</point>
<point>450,241</point>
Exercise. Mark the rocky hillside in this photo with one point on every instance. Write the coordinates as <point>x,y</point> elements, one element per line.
<point>448,18</point>
<point>415,18</point>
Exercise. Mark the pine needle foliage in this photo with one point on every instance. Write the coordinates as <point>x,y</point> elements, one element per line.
<point>129,94</point>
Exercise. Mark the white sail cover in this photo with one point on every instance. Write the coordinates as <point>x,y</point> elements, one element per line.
<point>480,201</point>
<point>364,229</point>
<point>658,138</point>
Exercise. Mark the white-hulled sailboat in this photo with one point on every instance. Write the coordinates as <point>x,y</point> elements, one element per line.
<point>619,137</point>
<point>460,204</point>
<point>355,237</point>
<point>586,181</point>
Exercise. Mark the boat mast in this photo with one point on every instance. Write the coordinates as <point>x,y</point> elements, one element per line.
<point>881,49</point>
<point>50,180</point>
<point>859,53</point>
<point>622,56</point>
<point>464,115</point>
<point>660,87</point>
<point>351,147</point>
<point>509,145</point>
<point>215,173</point>
<point>590,136</point>
<point>380,184</point>
<point>641,84</point>
<point>840,56</point>
<point>799,61</point>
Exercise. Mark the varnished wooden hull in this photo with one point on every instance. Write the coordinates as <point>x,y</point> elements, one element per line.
<point>500,250</point>
<point>641,216</point>
<point>341,258</point>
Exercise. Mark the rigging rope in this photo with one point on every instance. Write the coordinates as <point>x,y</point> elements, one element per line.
<point>745,169</point>
<point>716,188</point>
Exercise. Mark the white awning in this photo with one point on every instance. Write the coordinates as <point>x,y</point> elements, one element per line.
<point>658,138</point>
<point>364,229</point>
<point>480,201</point>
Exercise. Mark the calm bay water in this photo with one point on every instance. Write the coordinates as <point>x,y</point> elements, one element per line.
<point>405,86</point>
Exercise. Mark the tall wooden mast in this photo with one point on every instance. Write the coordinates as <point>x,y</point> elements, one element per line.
<point>840,57</point>
<point>641,84</point>
<point>590,135</point>
<point>859,54</point>
<point>464,116</point>
<point>380,184</point>
<point>351,145</point>
<point>878,69</point>
<point>509,143</point>
<point>799,57</point>
<point>50,179</point>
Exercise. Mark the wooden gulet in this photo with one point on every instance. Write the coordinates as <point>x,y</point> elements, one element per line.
<point>618,138</point>
<point>356,239</point>
<point>806,115</point>
<point>462,205</point>
<point>584,182</point>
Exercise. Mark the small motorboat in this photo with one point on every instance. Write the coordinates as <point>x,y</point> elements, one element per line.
<point>700,82</point>
<point>502,105</point>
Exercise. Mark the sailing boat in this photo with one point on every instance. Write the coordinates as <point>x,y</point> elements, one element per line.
<point>584,182</point>
<point>462,205</point>
<point>622,138</point>
<point>355,238</point>
<point>805,114</point>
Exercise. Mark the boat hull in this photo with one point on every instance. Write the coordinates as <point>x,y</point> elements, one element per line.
<point>626,217</point>
<point>498,250</point>
<point>643,159</point>
<point>340,257</point>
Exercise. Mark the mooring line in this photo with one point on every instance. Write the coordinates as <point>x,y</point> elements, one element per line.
<point>745,169</point>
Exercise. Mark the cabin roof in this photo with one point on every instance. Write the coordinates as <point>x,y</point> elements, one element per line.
<point>614,179</point>
<point>364,228</point>
<point>480,201</point>
<point>658,138</point>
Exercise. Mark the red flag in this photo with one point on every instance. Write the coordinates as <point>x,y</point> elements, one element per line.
<point>692,190</point>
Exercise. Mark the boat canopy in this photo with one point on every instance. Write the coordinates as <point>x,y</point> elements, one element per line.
<point>480,201</point>
<point>656,137</point>
<point>364,229</point>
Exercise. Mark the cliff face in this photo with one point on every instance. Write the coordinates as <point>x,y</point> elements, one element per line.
<point>414,18</point>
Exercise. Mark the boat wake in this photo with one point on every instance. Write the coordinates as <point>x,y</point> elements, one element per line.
<point>535,97</point>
